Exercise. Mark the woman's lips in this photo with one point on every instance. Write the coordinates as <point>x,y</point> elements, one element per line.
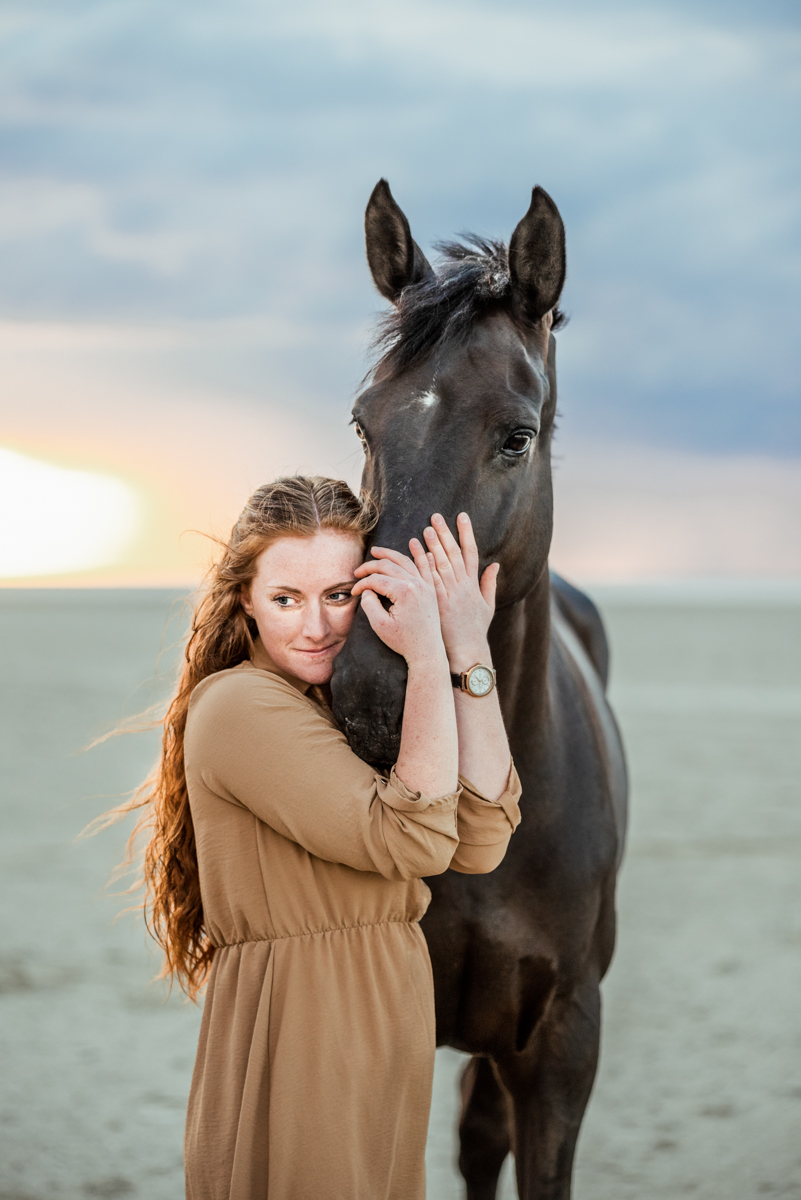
<point>317,653</point>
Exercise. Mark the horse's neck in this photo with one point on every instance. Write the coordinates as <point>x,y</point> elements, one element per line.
<point>520,639</point>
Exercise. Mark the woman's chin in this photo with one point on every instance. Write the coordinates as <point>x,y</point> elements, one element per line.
<point>317,671</point>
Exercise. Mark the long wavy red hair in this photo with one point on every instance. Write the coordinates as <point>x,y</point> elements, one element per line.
<point>221,636</point>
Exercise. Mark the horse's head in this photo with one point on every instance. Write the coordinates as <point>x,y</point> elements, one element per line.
<point>458,416</point>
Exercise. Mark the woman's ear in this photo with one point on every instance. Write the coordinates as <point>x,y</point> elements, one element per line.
<point>244,597</point>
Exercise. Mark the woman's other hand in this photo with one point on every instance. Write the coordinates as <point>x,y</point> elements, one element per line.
<point>466,605</point>
<point>411,625</point>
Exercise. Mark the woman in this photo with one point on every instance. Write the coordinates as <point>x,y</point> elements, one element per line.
<point>289,871</point>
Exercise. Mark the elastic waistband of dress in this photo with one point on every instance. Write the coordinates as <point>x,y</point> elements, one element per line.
<point>287,937</point>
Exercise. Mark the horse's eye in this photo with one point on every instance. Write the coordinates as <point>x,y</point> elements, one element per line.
<point>518,442</point>
<point>359,432</point>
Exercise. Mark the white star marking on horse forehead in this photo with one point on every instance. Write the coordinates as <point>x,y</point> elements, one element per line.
<point>428,399</point>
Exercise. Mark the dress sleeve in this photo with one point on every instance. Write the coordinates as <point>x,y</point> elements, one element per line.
<point>254,740</point>
<point>485,826</point>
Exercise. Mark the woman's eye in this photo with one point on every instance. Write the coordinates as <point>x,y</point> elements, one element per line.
<point>518,442</point>
<point>339,597</point>
<point>283,601</point>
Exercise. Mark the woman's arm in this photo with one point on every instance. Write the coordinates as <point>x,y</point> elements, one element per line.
<point>484,756</point>
<point>428,761</point>
<point>466,609</point>
<point>484,827</point>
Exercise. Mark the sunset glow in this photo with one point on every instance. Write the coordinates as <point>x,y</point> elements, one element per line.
<point>54,520</point>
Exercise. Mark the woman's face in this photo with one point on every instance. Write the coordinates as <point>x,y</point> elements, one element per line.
<point>300,599</point>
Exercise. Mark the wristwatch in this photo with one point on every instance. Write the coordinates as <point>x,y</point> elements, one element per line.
<point>477,681</point>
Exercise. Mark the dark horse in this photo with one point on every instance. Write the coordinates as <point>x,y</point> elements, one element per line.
<point>459,414</point>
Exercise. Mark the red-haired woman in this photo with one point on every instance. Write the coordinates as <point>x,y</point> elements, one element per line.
<point>286,873</point>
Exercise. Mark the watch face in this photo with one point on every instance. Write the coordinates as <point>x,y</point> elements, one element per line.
<point>480,681</point>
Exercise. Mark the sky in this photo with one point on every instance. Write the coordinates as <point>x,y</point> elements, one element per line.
<point>185,308</point>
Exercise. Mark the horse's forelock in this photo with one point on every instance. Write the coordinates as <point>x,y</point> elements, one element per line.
<point>471,280</point>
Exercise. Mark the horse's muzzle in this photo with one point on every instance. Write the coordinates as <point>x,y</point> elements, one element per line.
<point>368,688</point>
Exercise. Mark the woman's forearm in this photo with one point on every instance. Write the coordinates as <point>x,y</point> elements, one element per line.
<point>484,756</point>
<point>429,752</point>
<point>466,604</point>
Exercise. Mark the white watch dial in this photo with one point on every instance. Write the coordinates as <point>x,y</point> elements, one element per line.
<point>480,681</point>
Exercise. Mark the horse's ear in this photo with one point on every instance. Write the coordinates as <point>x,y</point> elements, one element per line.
<point>537,261</point>
<point>395,258</point>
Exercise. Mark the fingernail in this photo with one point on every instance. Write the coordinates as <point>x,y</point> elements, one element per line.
<point>428,531</point>
<point>437,517</point>
<point>462,517</point>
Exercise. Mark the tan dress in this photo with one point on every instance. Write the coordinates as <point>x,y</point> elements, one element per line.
<point>316,1052</point>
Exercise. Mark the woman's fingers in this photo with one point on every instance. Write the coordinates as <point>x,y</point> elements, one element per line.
<point>384,554</point>
<point>421,559</point>
<point>385,585</point>
<point>383,567</point>
<point>449,544</point>
<point>441,590</point>
<point>467,541</point>
<point>375,612</point>
<point>441,560</point>
<point>489,584</point>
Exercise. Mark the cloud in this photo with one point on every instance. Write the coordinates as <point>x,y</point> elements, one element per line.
<point>511,48</point>
<point>36,208</point>
<point>200,162</point>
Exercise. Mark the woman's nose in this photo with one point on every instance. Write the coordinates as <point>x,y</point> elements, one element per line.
<point>315,626</point>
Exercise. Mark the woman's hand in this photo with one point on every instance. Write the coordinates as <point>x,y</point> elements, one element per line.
<point>411,626</point>
<point>466,606</point>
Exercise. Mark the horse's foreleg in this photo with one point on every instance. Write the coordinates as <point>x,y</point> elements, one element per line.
<point>483,1129</point>
<point>550,1084</point>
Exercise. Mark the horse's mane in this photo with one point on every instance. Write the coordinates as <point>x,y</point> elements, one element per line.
<point>470,280</point>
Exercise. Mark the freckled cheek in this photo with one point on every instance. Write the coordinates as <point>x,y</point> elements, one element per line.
<point>276,625</point>
<point>342,619</point>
